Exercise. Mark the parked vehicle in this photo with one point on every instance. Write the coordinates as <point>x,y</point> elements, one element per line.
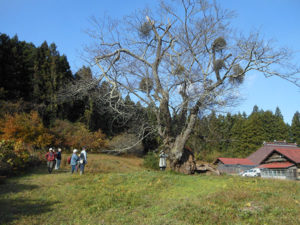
<point>251,173</point>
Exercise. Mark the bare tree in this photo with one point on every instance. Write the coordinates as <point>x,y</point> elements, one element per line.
<point>182,60</point>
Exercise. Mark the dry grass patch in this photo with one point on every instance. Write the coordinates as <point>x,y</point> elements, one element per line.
<point>102,163</point>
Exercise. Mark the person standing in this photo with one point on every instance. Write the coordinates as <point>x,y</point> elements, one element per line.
<point>162,160</point>
<point>50,156</point>
<point>83,160</point>
<point>58,159</point>
<point>74,160</point>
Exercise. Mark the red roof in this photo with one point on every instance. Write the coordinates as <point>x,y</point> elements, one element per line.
<point>276,165</point>
<point>291,154</point>
<point>258,156</point>
<point>233,161</point>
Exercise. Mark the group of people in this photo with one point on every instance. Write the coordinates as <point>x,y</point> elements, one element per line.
<point>80,160</point>
<point>76,161</point>
<point>53,159</point>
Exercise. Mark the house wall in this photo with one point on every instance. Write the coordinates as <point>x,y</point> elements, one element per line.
<point>298,171</point>
<point>275,157</point>
<point>290,173</point>
<point>233,169</point>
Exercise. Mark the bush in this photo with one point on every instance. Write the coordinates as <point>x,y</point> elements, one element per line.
<point>76,135</point>
<point>208,156</point>
<point>151,161</point>
<point>127,141</point>
<point>25,128</point>
<point>16,157</point>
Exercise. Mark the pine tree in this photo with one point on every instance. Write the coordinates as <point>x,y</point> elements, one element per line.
<point>16,64</point>
<point>278,113</point>
<point>295,128</point>
<point>255,109</point>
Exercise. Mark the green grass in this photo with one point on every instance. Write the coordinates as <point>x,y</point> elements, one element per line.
<point>146,197</point>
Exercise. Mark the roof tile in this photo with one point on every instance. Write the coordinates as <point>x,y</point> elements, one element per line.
<point>233,161</point>
<point>291,154</point>
<point>258,156</point>
<point>276,165</point>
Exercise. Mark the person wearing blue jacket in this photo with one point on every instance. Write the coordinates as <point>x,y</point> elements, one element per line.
<point>74,160</point>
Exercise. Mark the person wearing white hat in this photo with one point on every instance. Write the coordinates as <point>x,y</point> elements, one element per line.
<point>50,156</point>
<point>74,160</point>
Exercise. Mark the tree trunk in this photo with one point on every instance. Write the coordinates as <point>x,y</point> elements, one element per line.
<point>181,158</point>
<point>186,164</point>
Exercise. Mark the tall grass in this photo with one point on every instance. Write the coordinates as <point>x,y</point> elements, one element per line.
<point>145,197</point>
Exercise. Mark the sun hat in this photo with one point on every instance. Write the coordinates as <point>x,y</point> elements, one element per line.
<point>50,149</point>
<point>75,150</point>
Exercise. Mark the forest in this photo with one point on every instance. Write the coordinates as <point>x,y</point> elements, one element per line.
<point>36,112</point>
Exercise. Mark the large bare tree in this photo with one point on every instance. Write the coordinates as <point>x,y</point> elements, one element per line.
<point>182,60</point>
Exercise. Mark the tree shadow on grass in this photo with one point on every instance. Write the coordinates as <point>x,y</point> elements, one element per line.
<point>12,210</point>
<point>13,187</point>
<point>39,170</point>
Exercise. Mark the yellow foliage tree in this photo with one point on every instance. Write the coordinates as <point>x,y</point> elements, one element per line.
<point>27,128</point>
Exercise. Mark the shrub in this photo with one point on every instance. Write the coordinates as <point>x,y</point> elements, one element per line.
<point>25,128</point>
<point>16,157</point>
<point>208,156</point>
<point>77,135</point>
<point>151,160</point>
<point>130,143</point>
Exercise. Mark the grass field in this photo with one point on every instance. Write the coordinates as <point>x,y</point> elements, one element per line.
<point>118,190</point>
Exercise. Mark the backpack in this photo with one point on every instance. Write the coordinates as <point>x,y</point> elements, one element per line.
<point>69,160</point>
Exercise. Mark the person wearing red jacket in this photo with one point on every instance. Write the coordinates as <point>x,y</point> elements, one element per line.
<point>50,156</point>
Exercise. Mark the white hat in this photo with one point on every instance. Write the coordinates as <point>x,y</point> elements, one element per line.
<point>75,150</point>
<point>50,149</point>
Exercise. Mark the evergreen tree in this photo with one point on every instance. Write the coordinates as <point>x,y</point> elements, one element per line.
<point>295,128</point>
<point>278,113</point>
<point>16,64</point>
<point>255,109</point>
<point>274,126</point>
<point>51,73</point>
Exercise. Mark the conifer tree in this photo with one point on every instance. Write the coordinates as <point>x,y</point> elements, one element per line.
<point>278,113</point>
<point>295,128</point>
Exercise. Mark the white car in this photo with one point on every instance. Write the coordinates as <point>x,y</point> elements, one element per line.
<point>251,173</point>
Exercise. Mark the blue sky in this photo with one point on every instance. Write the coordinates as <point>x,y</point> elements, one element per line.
<point>64,21</point>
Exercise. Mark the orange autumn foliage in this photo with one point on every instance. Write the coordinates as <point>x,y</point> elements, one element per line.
<point>27,128</point>
<point>76,135</point>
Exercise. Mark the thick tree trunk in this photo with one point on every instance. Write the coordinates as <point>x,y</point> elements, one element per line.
<point>182,159</point>
<point>186,164</point>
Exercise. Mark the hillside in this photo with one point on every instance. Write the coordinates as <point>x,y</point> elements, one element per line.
<point>118,190</point>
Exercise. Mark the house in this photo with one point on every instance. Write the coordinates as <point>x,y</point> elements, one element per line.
<point>281,163</point>
<point>234,165</point>
<point>276,159</point>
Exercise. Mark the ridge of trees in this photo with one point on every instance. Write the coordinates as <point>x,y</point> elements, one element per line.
<point>239,135</point>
